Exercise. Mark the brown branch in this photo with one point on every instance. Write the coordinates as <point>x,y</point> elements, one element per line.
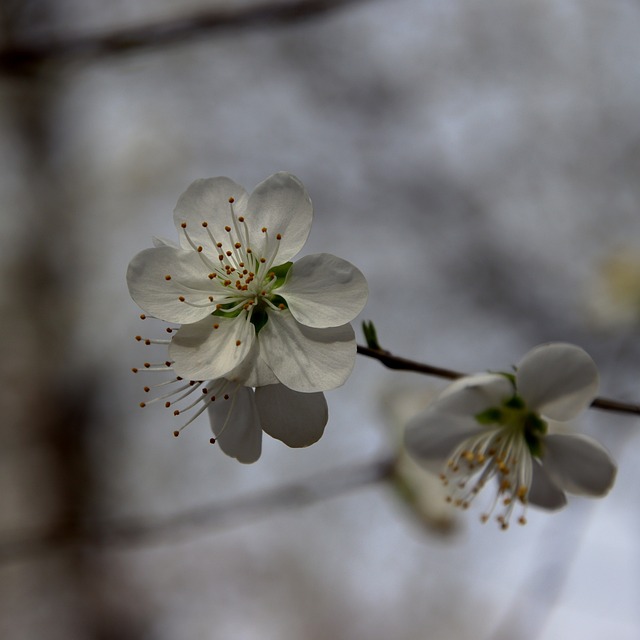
<point>234,511</point>
<point>403,364</point>
<point>28,56</point>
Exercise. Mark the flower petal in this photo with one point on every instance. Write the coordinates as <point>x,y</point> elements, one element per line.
<point>200,351</point>
<point>322,290</point>
<point>471,395</point>
<point>236,425</point>
<point>157,295</point>
<point>543,492</point>
<point>559,380</point>
<point>282,205</point>
<point>297,419</point>
<point>207,200</point>
<point>579,464</point>
<point>253,371</point>
<point>307,359</point>
<point>432,436</point>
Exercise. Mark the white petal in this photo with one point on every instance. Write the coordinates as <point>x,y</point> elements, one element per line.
<point>157,296</point>
<point>282,205</point>
<point>473,394</point>
<point>543,492</point>
<point>307,359</point>
<point>432,436</point>
<point>297,419</point>
<point>559,380</point>
<point>163,242</point>
<point>207,200</point>
<point>579,464</point>
<point>322,290</point>
<point>236,425</point>
<point>201,352</point>
<point>253,371</point>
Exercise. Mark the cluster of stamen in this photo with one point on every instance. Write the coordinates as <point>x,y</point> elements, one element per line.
<point>498,453</point>
<point>238,280</point>
<point>185,396</point>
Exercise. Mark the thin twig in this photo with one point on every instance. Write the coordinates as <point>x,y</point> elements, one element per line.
<point>28,56</point>
<point>404,364</point>
<point>234,511</point>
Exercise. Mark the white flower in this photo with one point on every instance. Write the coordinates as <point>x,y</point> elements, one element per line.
<point>248,314</point>
<point>240,414</point>
<point>494,426</point>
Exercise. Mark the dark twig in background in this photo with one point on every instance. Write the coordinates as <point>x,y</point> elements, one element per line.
<point>234,511</point>
<point>403,364</point>
<point>30,55</point>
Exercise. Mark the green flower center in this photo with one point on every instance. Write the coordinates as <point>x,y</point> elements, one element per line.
<point>515,418</point>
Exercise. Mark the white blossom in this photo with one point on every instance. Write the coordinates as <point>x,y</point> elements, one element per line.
<point>246,312</point>
<point>495,426</point>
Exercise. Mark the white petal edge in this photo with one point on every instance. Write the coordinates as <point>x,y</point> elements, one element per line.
<point>282,205</point>
<point>159,297</point>
<point>235,423</point>
<point>253,371</point>
<point>471,395</point>
<point>297,419</point>
<point>559,380</point>
<point>432,436</point>
<point>544,493</point>
<point>307,359</point>
<point>323,290</point>
<point>207,200</point>
<point>201,352</point>
<point>579,464</point>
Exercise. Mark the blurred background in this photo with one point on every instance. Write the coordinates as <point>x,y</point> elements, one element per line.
<point>478,161</point>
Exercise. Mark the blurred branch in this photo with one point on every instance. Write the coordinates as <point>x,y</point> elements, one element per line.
<point>403,364</point>
<point>29,56</point>
<point>234,511</point>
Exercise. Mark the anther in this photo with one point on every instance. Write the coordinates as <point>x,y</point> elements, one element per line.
<point>263,260</point>
<point>264,229</point>
<point>279,236</point>
<point>167,363</point>
<point>184,225</point>
<point>167,277</point>
<point>147,365</point>
<point>143,405</point>
<point>212,440</point>
<point>176,434</point>
<point>226,396</point>
<point>181,298</point>
<point>167,404</point>
<point>227,228</point>
<point>134,370</point>
<point>240,218</point>
<point>169,330</point>
<point>238,343</point>
<point>212,276</point>
<point>199,249</point>
<point>143,317</point>
<point>147,389</point>
<point>237,245</point>
<point>205,224</point>
<point>229,253</point>
<point>216,326</point>
<point>176,412</point>
<point>138,338</point>
<point>232,200</point>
